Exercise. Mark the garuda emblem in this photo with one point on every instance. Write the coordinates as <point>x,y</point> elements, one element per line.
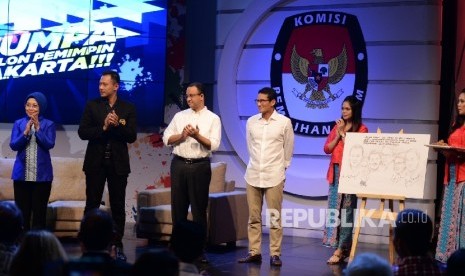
<point>317,76</point>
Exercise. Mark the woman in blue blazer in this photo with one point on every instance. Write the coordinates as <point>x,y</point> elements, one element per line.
<point>32,137</point>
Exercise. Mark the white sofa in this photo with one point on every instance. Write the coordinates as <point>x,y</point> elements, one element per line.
<point>67,198</point>
<point>227,211</point>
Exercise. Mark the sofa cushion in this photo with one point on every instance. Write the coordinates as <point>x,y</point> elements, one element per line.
<point>68,179</point>
<point>68,182</point>
<point>70,210</point>
<point>161,232</point>
<point>6,184</point>
<point>158,214</point>
<point>67,210</point>
<point>218,182</point>
<point>66,228</point>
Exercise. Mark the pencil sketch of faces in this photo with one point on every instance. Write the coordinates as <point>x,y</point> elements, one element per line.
<point>387,158</point>
<point>399,168</point>
<point>374,161</point>
<point>374,172</point>
<point>356,156</point>
<point>411,160</point>
<point>399,163</point>
<point>357,162</point>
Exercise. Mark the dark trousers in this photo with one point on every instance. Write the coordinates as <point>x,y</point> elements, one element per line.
<point>32,199</point>
<point>189,186</point>
<point>95,184</point>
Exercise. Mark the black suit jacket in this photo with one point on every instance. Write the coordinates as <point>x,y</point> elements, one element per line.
<point>91,128</point>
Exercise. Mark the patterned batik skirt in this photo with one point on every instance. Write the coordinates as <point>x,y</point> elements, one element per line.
<point>452,226</point>
<point>339,216</point>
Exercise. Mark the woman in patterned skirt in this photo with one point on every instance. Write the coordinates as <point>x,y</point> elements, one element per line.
<point>452,226</point>
<point>335,235</point>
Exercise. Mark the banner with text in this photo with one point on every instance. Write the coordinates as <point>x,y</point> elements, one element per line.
<point>61,47</point>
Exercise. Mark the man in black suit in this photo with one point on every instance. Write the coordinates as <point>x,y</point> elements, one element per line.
<point>109,124</point>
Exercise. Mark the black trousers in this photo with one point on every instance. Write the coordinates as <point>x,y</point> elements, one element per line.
<point>32,198</point>
<point>189,186</point>
<point>95,184</point>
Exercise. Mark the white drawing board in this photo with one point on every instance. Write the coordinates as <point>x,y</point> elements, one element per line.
<point>384,164</point>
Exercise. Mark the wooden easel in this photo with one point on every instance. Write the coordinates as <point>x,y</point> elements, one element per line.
<point>380,214</point>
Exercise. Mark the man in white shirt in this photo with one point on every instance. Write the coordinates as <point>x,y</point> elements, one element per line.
<point>193,133</point>
<point>270,142</point>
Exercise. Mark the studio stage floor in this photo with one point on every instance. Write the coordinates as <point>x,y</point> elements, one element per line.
<point>300,256</point>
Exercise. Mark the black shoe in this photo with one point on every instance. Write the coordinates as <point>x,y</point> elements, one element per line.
<point>275,261</point>
<point>251,259</point>
<point>120,256</point>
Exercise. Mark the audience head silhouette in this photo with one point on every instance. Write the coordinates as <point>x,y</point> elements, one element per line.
<point>412,233</point>
<point>456,263</point>
<point>187,240</point>
<point>159,262</point>
<point>96,234</point>
<point>368,264</point>
<point>38,251</point>
<point>11,228</point>
<point>96,231</point>
<point>11,222</point>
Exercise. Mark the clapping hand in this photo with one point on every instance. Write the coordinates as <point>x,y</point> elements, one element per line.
<point>33,121</point>
<point>189,130</point>
<point>111,120</point>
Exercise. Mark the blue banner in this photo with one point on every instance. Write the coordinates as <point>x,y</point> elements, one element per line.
<point>61,47</point>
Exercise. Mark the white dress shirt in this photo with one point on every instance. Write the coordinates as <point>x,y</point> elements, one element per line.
<point>209,126</point>
<point>270,144</point>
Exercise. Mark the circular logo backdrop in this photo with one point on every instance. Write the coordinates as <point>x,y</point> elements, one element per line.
<point>319,58</point>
